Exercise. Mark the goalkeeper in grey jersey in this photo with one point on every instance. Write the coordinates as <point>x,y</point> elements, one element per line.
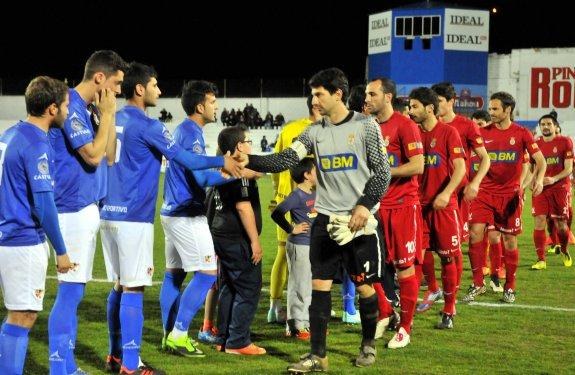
<point>353,174</point>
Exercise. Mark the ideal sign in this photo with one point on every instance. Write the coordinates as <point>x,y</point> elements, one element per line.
<point>379,33</point>
<point>466,30</point>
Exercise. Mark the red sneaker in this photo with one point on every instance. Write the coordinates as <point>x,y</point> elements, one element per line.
<point>251,349</point>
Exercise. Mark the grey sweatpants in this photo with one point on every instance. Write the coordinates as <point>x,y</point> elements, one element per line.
<point>299,286</point>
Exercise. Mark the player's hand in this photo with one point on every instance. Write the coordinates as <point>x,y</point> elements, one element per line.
<point>441,201</point>
<point>250,175</point>
<point>63,263</point>
<point>257,252</point>
<point>470,192</point>
<point>536,187</point>
<point>105,100</point>
<point>272,206</point>
<point>548,181</point>
<point>359,216</point>
<point>232,166</point>
<point>300,228</point>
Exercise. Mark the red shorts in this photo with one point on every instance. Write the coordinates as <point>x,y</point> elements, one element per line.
<point>442,230</point>
<point>502,211</point>
<point>402,234</point>
<point>553,203</point>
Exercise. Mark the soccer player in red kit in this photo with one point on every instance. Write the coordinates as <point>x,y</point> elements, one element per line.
<point>399,210</point>
<point>499,201</point>
<point>444,170</point>
<point>472,142</point>
<point>555,200</point>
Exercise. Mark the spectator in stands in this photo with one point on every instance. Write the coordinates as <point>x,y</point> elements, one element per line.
<point>264,144</point>
<point>269,121</point>
<point>356,101</point>
<point>279,121</point>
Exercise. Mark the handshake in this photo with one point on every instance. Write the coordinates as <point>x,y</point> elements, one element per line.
<point>338,228</point>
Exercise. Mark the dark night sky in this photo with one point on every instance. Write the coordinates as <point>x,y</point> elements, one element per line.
<point>212,41</point>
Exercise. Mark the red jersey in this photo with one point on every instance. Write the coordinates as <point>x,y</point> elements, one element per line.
<point>441,146</point>
<point>402,139</point>
<point>470,139</point>
<point>506,149</point>
<point>556,152</point>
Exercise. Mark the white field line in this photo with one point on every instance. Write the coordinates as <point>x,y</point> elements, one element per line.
<point>480,304</point>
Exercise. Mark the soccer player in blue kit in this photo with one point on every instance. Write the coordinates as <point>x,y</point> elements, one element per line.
<point>88,135</point>
<point>128,212</point>
<point>27,215</point>
<point>189,245</point>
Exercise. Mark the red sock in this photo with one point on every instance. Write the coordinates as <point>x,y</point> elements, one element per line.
<point>419,273</point>
<point>511,262</point>
<point>408,289</point>
<point>459,265</point>
<point>563,240</point>
<point>476,257</point>
<point>449,279</point>
<point>495,257</point>
<point>539,239</point>
<point>384,306</point>
<point>429,271</point>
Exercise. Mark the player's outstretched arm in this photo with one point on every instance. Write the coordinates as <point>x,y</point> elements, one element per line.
<point>275,163</point>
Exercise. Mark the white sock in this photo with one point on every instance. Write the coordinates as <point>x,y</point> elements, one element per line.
<point>176,333</point>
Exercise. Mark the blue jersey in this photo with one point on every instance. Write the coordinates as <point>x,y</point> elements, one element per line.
<point>183,196</point>
<point>26,163</point>
<point>133,180</point>
<point>77,184</point>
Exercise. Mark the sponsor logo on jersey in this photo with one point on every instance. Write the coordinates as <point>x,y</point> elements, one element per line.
<point>119,209</point>
<point>338,162</point>
<point>432,160</point>
<point>552,160</point>
<point>503,156</point>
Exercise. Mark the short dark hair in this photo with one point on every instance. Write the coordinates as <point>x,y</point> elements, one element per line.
<point>399,104</point>
<point>42,92</point>
<point>298,171</point>
<point>445,89</point>
<point>229,138</point>
<point>331,79</point>
<point>481,115</point>
<point>505,98</point>
<point>550,116</point>
<point>105,61</point>
<point>426,96</point>
<point>194,93</point>
<point>356,98</point>
<point>387,85</point>
<point>137,74</point>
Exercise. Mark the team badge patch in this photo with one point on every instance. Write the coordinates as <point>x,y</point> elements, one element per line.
<point>43,166</point>
<point>39,293</point>
<point>167,135</point>
<point>197,148</point>
<point>386,141</point>
<point>351,139</point>
<point>555,150</point>
<point>150,271</point>
<point>208,259</point>
<point>512,141</point>
<point>76,124</point>
<point>479,140</point>
<point>433,142</point>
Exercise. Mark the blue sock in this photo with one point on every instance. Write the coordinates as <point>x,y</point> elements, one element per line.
<point>348,295</point>
<point>60,325</point>
<point>168,296</point>
<point>132,322</point>
<point>71,365</point>
<point>193,298</point>
<point>113,315</point>
<point>13,346</point>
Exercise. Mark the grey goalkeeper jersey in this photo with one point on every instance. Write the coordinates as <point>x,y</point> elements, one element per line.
<point>351,164</point>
